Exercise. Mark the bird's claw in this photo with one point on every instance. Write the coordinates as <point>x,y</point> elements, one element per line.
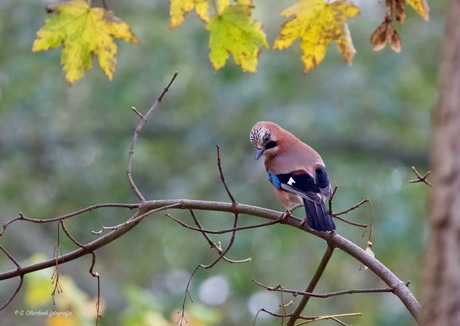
<point>284,216</point>
<point>302,223</point>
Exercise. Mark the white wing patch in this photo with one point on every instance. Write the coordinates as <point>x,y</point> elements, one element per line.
<point>290,181</point>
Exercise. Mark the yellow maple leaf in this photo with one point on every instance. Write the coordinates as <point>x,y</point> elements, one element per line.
<point>244,2</point>
<point>222,5</point>
<point>83,32</point>
<point>421,7</point>
<point>180,8</point>
<point>233,30</point>
<point>317,23</point>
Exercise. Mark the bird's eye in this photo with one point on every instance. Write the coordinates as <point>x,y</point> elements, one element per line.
<point>266,138</point>
<point>271,144</point>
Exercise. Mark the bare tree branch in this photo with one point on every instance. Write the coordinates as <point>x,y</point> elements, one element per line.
<point>280,288</point>
<point>91,271</point>
<point>421,178</point>
<point>222,178</point>
<point>138,129</point>
<point>21,217</point>
<point>214,245</point>
<point>21,278</point>
<point>334,240</point>
<point>310,319</point>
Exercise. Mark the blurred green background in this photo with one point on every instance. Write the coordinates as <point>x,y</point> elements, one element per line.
<point>64,148</point>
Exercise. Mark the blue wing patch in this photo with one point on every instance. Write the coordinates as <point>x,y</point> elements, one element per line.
<point>275,181</point>
<point>297,182</point>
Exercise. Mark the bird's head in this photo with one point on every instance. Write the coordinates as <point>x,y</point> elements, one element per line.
<point>263,137</point>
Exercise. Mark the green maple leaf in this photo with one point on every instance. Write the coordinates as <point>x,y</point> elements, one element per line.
<point>234,31</point>
<point>83,32</point>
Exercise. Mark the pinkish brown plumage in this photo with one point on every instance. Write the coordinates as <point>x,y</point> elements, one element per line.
<point>296,171</point>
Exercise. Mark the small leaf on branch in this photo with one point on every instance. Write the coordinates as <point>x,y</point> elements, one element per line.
<point>83,32</point>
<point>317,23</point>
<point>180,8</point>
<point>233,30</point>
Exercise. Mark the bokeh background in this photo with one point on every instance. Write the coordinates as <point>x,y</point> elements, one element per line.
<point>64,148</point>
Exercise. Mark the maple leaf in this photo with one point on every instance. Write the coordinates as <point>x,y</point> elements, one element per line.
<point>244,2</point>
<point>233,30</point>
<point>421,7</point>
<point>83,32</point>
<point>180,8</point>
<point>318,23</point>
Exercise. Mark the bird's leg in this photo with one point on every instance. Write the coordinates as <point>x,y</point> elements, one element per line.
<point>287,213</point>
<point>303,222</point>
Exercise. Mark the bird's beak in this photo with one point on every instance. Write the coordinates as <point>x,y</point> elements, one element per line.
<point>259,152</point>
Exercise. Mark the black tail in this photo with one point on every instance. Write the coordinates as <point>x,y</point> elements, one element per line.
<point>317,216</point>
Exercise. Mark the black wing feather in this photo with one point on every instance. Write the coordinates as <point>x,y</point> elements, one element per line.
<point>304,185</point>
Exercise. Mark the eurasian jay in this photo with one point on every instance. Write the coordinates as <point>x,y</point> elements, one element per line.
<point>296,172</point>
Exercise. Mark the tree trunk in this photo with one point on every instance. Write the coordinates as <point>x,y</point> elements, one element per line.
<point>441,304</point>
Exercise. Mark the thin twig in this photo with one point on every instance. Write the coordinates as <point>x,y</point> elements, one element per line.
<point>137,112</point>
<point>20,275</point>
<point>337,215</point>
<point>98,278</point>
<point>309,319</point>
<point>138,129</point>
<point>67,233</point>
<point>352,208</point>
<point>334,317</point>
<point>55,276</point>
<point>222,178</point>
<point>255,226</point>
<point>91,270</point>
<point>222,254</point>
<point>280,288</point>
<point>213,244</point>
<point>421,178</point>
<point>21,217</point>
<point>331,198</point>
<point>133,219</point>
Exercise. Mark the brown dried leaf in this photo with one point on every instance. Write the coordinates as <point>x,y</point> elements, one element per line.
<point>379,37</point>
<point>386,33</point>
<point>395,41</point>
<point>400,10</point>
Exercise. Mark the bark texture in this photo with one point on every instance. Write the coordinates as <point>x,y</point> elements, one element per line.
<point>441,278</point>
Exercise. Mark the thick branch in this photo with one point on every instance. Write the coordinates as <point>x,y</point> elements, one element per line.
<point>334,240</point>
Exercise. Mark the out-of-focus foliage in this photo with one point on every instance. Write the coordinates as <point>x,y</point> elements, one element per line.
<point>64,148</point>
<point>83,32</point>
<point>72,308</point>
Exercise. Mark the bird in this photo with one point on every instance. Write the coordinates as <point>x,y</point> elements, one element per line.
<point>296,171</point>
